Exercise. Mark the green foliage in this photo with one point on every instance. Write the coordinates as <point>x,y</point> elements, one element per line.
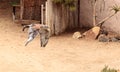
<point>106,69</point>
<point>72,8</point>
<point>68,3</point>
<point>58,1</point>
<point>116,8</point>
<point>15,2</point>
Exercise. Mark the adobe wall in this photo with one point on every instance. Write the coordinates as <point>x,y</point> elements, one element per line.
<point>86,14</point>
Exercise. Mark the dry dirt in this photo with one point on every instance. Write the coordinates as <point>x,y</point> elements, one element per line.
<point>62,54</point>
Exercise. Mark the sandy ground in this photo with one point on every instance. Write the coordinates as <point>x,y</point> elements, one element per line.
<point>62,54</point>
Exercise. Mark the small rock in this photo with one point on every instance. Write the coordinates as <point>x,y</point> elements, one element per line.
<point>118,37</point>
<point>113,39</point>
<point>103,38</point>
<point>119,41</point>
<point>77,35</point>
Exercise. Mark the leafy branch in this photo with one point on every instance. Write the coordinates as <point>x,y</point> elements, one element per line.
<point>68,3</point>
<point>116,9</point>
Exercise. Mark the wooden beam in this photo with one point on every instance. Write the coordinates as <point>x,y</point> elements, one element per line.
<point>26,21</point>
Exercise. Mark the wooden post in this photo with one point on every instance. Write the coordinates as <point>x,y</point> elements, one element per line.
<point>21,9</point>
<point>49,17</point>
<point>42,14</point>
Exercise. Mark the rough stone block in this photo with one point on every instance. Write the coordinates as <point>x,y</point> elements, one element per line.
<point>92,33</point>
